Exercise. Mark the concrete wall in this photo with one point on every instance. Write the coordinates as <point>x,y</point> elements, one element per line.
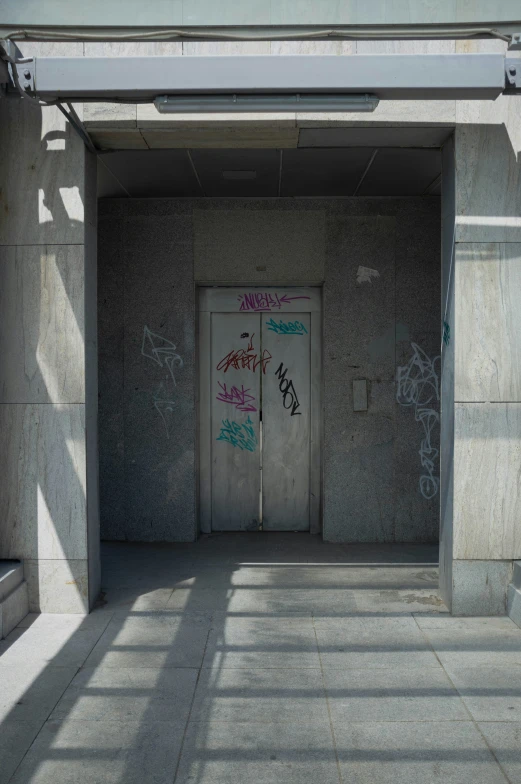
<point>48,473</point>
<point>152,253</point>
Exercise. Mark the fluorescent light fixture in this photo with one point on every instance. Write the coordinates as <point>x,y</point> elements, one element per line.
<point>253,102</point>
<point>238,174</point>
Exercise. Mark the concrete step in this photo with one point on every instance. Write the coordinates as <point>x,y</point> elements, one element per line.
<point>514,594</point>
<point>516,575</point>
<point>14,602</point>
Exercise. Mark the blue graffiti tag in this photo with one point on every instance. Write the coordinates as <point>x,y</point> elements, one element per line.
<point>286,327</point>
<point>235,434</point>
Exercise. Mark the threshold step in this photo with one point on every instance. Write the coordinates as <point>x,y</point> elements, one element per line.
<point>514,604</point>
<point>14,601</point>
<point>516,575</point>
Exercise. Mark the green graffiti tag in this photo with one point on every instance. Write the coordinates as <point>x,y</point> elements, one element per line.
<point>446,333</point>
<point>241,435</point>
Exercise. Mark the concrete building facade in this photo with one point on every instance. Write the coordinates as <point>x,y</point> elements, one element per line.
<point>81,279</point>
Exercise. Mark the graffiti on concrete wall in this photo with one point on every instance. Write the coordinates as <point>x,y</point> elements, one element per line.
<point>365,274</point>
<point>418,386</point>
<point>163,353</point>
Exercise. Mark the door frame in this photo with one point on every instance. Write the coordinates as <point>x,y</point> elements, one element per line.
<point>225,299</point>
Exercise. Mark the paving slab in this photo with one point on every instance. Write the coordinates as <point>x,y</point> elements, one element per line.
<point>112,752</point>
<point>97,620</point>
<point>392,695</point>
<point>476,646</point>
<point>257,695</point>
<point>221,753</point>
<point>15,739</point>
<point>505,741</point>
<point>476,623</point>
<point>411,752</point>
<point>264,600</point>
<point>383,643</point>
<point>491,693</point>
<point>30,690</point>
<point>55,646</point>
<point>262,642</point>
<point>151,641</point>
<point>145,694</point>
<point>426,601</point>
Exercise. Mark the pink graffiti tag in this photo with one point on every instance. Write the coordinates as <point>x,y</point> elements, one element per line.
<point>245,359</point>
<point>265,301</point>
<point>237,397</point>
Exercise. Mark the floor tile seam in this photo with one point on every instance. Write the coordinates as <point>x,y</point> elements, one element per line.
<point>192,701</point>
<point>43,722</point>
<point>298,721</point>
<point>328,707</point>
<point>472,719</point>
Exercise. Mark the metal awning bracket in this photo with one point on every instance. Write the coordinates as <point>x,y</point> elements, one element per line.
<point>513,75</point>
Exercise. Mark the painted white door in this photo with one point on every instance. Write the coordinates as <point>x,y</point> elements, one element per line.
<point>260,409</point>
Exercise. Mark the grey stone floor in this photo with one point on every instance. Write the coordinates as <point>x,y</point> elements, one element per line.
<point>264,658</point>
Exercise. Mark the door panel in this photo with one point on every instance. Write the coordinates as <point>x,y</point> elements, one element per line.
<point>236,366</point>
<point>286,419</point>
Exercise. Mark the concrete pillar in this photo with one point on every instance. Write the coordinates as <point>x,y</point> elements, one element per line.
<point>481,387</point>
<point>48,385</point>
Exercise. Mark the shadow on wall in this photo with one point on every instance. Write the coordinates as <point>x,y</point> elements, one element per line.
<point>43,472</point>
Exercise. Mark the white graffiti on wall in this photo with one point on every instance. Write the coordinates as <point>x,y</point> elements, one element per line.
<point>418,386</point>
<point>162,352</point>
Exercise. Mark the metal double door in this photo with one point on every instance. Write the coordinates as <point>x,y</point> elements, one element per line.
<point>260,364</point>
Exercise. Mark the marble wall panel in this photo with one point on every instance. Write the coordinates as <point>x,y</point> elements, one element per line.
<point>57,586</point>
<point>42,492</point>
<point>487,493</point>
<point>488,322</point>
<point>312,47</point>
<point>488,185</point>
<point>42,198</point>
<point>207,12</point>
<point>246,137</point>
<point>387,112</point>
<point>42,324</point>
<point>123,115</point>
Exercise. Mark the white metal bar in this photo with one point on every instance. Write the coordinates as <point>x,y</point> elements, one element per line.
<point>396,77</point>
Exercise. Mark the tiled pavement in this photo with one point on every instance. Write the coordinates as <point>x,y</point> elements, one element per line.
<point>271,659</point>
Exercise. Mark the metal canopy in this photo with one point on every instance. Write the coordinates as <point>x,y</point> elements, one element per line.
<point>389,77</point>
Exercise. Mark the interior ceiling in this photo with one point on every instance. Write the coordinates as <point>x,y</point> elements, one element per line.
<point>328,162</point>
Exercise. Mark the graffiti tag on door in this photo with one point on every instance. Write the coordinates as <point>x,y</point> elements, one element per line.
<point>245,359</point>
<point>238,435</point>
<point>286,327</point>
<point>289,395</point>
<point>265,301</point>
<point>240,398</point>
